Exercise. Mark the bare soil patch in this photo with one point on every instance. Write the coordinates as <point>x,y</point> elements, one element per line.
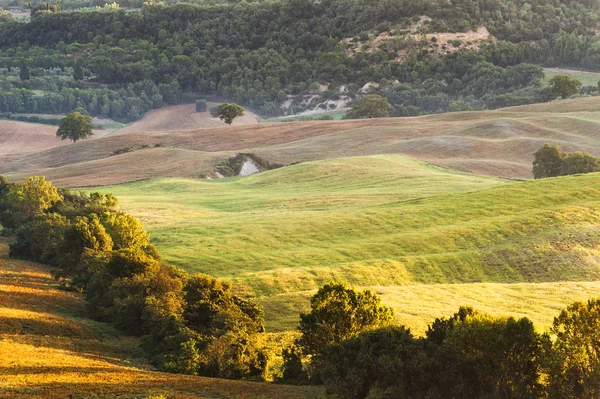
<point>182,117</point>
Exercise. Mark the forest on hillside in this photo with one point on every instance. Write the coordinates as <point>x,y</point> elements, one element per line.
<point>264,54</point>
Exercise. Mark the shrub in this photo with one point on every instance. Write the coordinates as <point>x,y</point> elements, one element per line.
<point>201,105</point>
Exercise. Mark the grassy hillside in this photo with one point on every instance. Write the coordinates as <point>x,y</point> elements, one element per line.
<point>375,221</point>
<point>50,350</point>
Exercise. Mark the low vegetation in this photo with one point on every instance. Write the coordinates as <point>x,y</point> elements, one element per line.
<point>51,349</point>
<point>551,161</point>
<point>186,322</point>
<point>232,166</point>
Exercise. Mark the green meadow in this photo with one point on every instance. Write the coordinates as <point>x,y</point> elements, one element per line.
<point>587,78</point>
<point>422,236</point>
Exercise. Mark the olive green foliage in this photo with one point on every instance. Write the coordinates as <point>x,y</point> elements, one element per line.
<point>575,365</point>
<point>551,161</point>
<point>369,106</point>
<point>338,313</point>
<point>564,86</point>
<point>193,325</point>
<point>5,16</point>
<point>75,126</point>
<point>261,52</point>
<point>467,356</point>
<point>29,199</point>
<point>579,162</point>
<point>548,161</point>
<point>228,112</point>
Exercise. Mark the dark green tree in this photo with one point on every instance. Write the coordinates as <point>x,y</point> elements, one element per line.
<point>24,73</point>
<point>75,126</point>
<point>201,105</point>
<point>338,313</point>
<point>385,363</point>
<point>548,161</point>
<point>228,112</point>
<point>369,106</point>
<point>579,162</point>
<point>564,86</point>
<point>78,72</point>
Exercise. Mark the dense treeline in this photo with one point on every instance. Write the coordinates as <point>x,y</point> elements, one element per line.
<point>258,54</point>
<point>189,324</point>
<point>349,344</point>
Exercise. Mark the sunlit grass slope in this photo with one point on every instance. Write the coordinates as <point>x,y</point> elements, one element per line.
<point>417,305</point>
<point>49,349</point>
<point>295,227</point>
<point>405,227</point>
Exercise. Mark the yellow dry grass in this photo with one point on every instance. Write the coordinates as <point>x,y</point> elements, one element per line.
<point>48,349</point>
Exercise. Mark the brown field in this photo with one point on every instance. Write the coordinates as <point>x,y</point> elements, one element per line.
<point>48,349</point>
<point>496,143</point>
<point>22,137</point>
<point>182,117</point>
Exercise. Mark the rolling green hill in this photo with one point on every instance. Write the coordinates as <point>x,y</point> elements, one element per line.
<point>382,221</point>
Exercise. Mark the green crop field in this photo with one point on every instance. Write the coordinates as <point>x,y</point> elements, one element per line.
<point>412,231</point>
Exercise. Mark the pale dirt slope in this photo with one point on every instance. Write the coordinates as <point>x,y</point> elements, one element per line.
<point>22,137</point>
<point>182,117</point>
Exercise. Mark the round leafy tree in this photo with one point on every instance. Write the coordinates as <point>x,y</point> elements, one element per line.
<point>370,106</point>
<point>229,111</point>
<point>564,86</point>
<point>75,126</point>
<point>338,313</point>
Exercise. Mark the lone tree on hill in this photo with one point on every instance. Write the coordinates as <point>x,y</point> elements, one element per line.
<point>370,106</point>
<point>564,86</point>
<point>229,111</point>
<point>75,126</point>
<point>547,161</point>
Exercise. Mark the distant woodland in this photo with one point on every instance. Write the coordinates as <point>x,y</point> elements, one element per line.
<point>121,63</point>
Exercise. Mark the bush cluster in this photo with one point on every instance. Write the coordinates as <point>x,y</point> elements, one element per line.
<point>551,161</point>
<point>348,343</point>
<point>188,324</point>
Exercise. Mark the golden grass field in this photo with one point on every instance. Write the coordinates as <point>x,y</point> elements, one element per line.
<point>496,143</point>
<point>49,349</point>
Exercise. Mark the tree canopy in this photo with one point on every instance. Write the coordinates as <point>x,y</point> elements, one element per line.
<point>369,106</point>
<point>228,112</point>
<point>564,86</point>
<point>75,126</point>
